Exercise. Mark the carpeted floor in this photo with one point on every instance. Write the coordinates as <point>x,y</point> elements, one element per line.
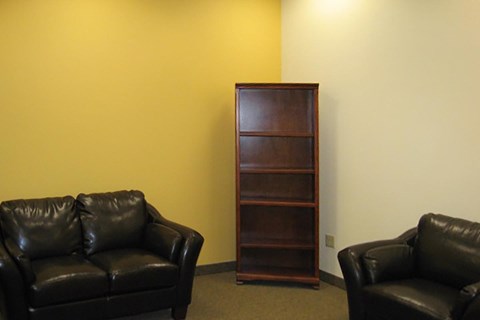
<point>217,296</point>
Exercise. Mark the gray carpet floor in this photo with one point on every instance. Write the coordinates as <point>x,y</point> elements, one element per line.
<point>217,296</point>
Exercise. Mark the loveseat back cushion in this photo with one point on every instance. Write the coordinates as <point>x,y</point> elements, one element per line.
<point>42,227</point>
<point>112,220</point>
<point>448,250</point>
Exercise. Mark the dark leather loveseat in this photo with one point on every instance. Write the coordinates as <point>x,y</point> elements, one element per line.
<point>431,272</point>
<point>98,256</point>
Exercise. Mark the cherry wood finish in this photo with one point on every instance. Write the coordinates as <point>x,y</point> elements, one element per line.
<point>277,196</point>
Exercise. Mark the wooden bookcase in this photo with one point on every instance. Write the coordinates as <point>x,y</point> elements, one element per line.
<point>277,196</point>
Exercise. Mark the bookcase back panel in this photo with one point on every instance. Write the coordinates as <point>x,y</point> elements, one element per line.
<point>296,187</point>
<point>276,152</point>
<point>281,261</point>
<point>276,110</point>
<point>270,225</point>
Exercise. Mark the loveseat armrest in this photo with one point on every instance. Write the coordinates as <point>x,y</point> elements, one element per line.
<point>354,275</point>
<point>23,262</point>
<point>467,295</point>
<point>189,251</point>
<point>163,240</point>
<point>13,287</point>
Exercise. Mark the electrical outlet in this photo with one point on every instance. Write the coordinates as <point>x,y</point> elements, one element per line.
<point>329,241</point>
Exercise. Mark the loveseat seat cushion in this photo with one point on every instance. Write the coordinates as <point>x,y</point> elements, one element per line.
<point>447,250</point>
<point>131,270</point>
<point>66,279</point>
<point>112,220</point>
<point>28,223</point>
<point>409,299</point>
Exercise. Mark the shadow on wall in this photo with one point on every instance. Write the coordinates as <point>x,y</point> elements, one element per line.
<point>328,131</point>
<point>221,172</point>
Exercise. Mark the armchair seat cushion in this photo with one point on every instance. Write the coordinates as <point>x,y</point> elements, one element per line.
<point>131,270</point>
<point>413,298</point>
<point>65,279</point>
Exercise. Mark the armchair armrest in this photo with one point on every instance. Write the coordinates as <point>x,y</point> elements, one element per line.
<point>188,254</point>
<point>13,286</point>
<point>409,236</point>
<point>163,240</point>
<point>354,275</point>
<point>468,294</point>
<point>389,262</point>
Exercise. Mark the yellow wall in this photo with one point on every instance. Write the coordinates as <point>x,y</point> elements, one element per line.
<point>101,95</point>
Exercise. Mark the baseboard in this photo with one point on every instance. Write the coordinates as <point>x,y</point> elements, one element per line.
<point>215,268</point>
<point>231,265</point>
<point>332,279</point>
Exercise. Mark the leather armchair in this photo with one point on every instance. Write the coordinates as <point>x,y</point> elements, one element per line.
<point>98,256</point>
<point>431,272</point>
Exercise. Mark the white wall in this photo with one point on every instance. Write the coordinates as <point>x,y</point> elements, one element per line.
<point>399,110</point>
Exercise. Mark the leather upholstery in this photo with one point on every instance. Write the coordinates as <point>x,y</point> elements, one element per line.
<point>353,272</point>
<point>430,272</point>
<point>23,262</point>
<point>93,309</point>
<point>98,256</point>
<point>389,262</point>
<point>192,242</point>
<point>163,240</point>
<point>143,301</point>
<point>13,285</point>
<point>123,212</point>
<point>465,298</point>
<point>131,270</point>
<point>472,310</point>
<point>413,298</point>
<point>29,222</point>
<point>441,236</point>
<point>65,279</point>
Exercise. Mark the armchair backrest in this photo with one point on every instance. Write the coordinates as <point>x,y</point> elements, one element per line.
<point>447,250</point>
<point>112,220</point>
<point>42,228</point>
